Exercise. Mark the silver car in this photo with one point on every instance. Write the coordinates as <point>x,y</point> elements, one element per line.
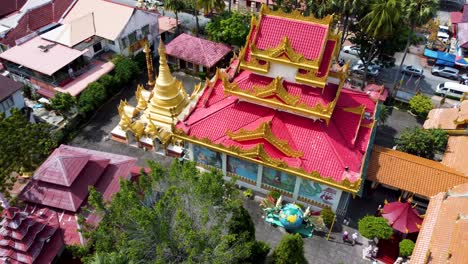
<point>446,72</point>
<point>412,70</point>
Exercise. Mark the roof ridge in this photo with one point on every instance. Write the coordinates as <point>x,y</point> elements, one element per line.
<point>416,159</point>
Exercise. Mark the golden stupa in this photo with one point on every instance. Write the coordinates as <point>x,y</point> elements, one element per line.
<point>168,97</point>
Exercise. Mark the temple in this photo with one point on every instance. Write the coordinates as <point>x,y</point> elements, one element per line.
<point>280,117</point>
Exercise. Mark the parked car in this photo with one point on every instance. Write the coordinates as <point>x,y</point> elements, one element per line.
<point>451,89</point>
<point>443,33</point>
<point>371,71</point>
<point>353,50</point>
<point>463,77</point>
<point>446,72</point>
<point>412,70</point>
<point>374,64</point>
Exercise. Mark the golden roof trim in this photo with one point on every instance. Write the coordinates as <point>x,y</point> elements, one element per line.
<point>276,88</point>
<point>296,15</point>
<point>265,160</point>
<point>255,66</point>
<point>310,78</point>
<point>264,132</point>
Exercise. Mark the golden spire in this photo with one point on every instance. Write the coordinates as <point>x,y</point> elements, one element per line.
<point>142,103</point>
<point>164,78</point>
<point>149,64</point>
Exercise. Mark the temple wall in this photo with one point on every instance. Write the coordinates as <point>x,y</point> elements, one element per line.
<point>287,72</point>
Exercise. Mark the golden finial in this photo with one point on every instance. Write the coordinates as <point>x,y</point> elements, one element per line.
<point>151,130</point>
<point>149,64</point>
<point>164,78</point>
<point>124,119</point>
<point>138,129</point>
<point>141,102</point>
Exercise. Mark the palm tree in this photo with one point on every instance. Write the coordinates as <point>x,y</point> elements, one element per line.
<point>380,23</point>
<point>175,6</point>
<point>319,8</point>
<point>209,5</point>
<point>416,14</point>
<point>347,9</point>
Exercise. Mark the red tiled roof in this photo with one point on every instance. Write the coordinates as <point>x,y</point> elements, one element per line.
<point>306,38</point>
<point>28,238</point>
<point>8,87</point>
<point>456,17</point>
<point>325,148</point>
<point>10,6</point>
<point>208,53</point>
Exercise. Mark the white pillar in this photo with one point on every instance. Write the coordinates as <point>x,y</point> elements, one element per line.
<point>297,187</point>
<point>253,7</point>
<point>224,163</point>
<point>190,152</point>
<point>259,176</point>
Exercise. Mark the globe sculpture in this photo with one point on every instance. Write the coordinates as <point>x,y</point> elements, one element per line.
<point>291,216</point>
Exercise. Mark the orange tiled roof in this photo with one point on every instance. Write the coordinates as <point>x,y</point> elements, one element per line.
<point>454,156</point>
<point>444,233</point>
<point>411,173</point>
<point>447,118</point>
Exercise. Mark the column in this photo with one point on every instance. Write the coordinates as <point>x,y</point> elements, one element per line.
<point>253,7</point>
<point>259,176</point>
<point>224,163</point>
<point>297,187</point>
<point>190,152</point>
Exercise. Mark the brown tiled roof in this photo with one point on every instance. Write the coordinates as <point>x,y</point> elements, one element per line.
<point>447,118</point>
<point>411,173</point>
<point>454,156</point>
<point>444,233</point>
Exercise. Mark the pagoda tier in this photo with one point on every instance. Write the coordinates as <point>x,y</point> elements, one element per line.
<point>29,238</point>
<point>330,153</point>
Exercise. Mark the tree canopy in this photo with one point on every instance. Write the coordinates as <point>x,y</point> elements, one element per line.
<point>421,105</point>
<point>229,28</point>
<point>173,215</point>
<point>371,227</point>
<point>406,247</point>
<point>289,250</point>
<point>23,146</point>
<point>63,102</point>
<point>422,142</point>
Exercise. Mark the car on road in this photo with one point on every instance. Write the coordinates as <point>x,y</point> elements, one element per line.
<point>353,50</point>
<point>371,71</point>
<point>412,70</point>
<point>374,64</point>
<point>451,89</point>
<point>446,72</point>
<point>443,33</point>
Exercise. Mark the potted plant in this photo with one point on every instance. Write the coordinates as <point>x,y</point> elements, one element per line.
<point>248,194</point>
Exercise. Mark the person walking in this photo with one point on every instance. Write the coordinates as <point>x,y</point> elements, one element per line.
<point>345,236</point>
<point>354,237</point>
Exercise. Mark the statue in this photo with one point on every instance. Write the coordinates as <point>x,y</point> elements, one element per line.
<point>151,131</point>
<point>125,120</point>
<point>141,102</point>
<point>138,129</point>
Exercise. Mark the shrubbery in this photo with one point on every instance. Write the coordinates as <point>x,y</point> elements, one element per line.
<point>327,216</point>
<point>422,142</point>
<point>406,247</point>
<point>421,105</point>
<point>289,250</point>
<point>371,227</point>
<point>62,102</point>
<point>91,98</point>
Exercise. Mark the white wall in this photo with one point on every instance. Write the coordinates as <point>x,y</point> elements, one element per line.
<point>138,20</point>
<point>18,101</point>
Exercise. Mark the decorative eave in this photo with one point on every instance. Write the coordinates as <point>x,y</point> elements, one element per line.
<point>264,132</point>
<point>258,155</point>
<point>291,103</point>
<point>342,74</point>
<point>310,78</point>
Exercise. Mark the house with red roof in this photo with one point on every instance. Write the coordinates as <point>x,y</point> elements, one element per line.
<point>181,52</point>
<point>30,237</point>
<point>10,95</point>
<point>10,6</point>
<point>62,182</point>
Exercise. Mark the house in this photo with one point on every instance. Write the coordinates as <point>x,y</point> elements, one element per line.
<point>452,120</point>
<point>196,54</point>
<point>74,50</point>
<point>10,95</point>
<point>61,184</point>
<point>167,28</point>
<point>278,118</point>
<point>443,236</point>
<point>30,236</point>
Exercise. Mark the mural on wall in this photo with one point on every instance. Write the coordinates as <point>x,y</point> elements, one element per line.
<point>242,168</point>
<point>208,157</point>
<point>318,192</point>
<point>278,179</point>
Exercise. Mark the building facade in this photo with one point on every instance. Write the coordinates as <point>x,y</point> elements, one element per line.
<point>10,95</point>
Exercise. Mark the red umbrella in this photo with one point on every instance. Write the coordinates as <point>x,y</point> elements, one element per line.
<point>402,217</point>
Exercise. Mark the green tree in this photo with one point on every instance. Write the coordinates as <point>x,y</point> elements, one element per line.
<point>421,105</point>
<point>171,215</point>
<point>374,227</point>
<point>23,146</point>
<point>125,69</point>
<point>209,5</point>
<point>92,97</point>
<point>175,6</point>
<point>416,13</point>
<point>347,9</point>
<point>109,84</point>
<point>229,28</point>
<point>422,142</point>
<point>241,222</point>
<point>63,102</point>
<point>406,247</point>
<point>384,114</point>
<point>327,216</point>
<point>289,250</point>
<point>319,8</point>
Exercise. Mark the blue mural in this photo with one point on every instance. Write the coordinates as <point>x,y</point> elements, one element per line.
<point>242,168</point>
<point>207,157</point>
<point>318,192</point>
<point>278,179</point>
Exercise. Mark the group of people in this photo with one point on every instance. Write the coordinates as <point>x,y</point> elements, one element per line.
<point>353,239</point>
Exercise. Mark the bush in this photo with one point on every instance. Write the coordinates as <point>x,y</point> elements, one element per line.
<point>406,247</point>
<point>241,223</point>
<point>422,142</point>
<point>62,102</point>
<point>371,227</point>
<point>259,250</point>
<point>202,75</point>
<point>327,216</point>
<point>27,91</point>
<point>140,60</point>
<point>110,85</point>
<point>274,194</point>
<point>125,69</point>
<point>289,250</point>
<point>92,97</point>
<point>421,105</point>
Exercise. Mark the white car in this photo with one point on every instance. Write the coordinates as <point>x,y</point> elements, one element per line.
<point>371,71</point>
<point>412,70</point>
<point>443,33</point>
<point>354,50</point>
<point>374,64</point>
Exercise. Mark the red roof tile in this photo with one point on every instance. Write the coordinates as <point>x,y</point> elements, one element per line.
<point>10,6</point>
<point>456,17</point>
<point>208,52</point>
<point>306,38</point>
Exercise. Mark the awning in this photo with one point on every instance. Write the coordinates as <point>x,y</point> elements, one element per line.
<point>430,53</point>
<point>460,60</point>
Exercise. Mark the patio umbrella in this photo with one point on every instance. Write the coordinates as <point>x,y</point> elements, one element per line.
<point>402,217</point>
<point>459,60</point>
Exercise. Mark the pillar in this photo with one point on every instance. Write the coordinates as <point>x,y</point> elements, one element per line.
<point>297,187</point>
<point>253,7</point>
<point>224,163</point>
<point>259,176</point>
<point>190,151</point>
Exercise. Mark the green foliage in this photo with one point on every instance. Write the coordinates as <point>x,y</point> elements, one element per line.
<point>92,97</point>
<point>173,215</point>
<point>140,60</point>
<point>289,250</point>
<point>231,29</point>
<point>248,193</point>
<point>383,114</point>
<point>422,142</point>
<point>371,227</point>
<point>421,105</point>
<point>327,216</point>
<point>110,85</point>
<point>406,247</point>
<point>275,194</point>
<point>125,69</point>
<point>27,91</point>
<point>62,102</point>
<point>23,146</point>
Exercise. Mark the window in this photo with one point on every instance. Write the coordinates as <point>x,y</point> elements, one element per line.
<point>6,104</point>
<point>145,30</point>
<point>190,66</point>
<point>456,92</point>
<point>132,37</point>
<point>111,42</point>
<point>97,47</point>
<point>124,42</point>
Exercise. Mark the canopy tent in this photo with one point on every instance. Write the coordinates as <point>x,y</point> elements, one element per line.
<point>402,217</point>
<point>442,58</point>
<point>461,61</point>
